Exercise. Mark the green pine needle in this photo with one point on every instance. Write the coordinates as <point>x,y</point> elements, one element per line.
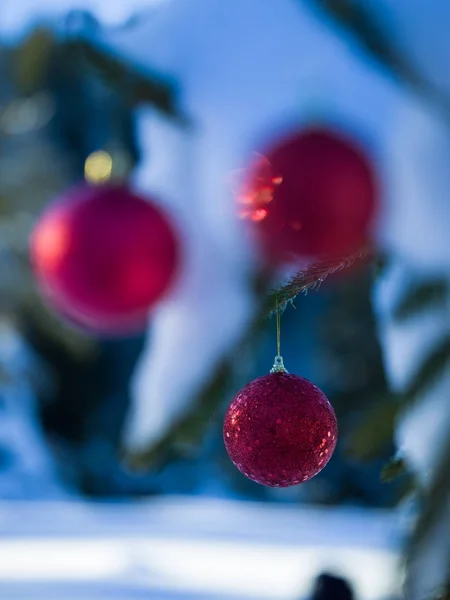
<point>431,370</point>
<point>375,430</point>
<point>393,469</point>
<point>362,24</point>
<point>311,278</point>
<point>422,297</point>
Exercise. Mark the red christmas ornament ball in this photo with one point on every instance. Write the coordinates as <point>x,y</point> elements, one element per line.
<point>103,256</point>
<point>314,194</point>
<point>280,430</point>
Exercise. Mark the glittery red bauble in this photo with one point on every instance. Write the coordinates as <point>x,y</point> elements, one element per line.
<point>313,194</point>
<point>280,430</point>
<point>103,256</point>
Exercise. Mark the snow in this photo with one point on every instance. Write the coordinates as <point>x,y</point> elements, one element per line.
<point>415,224</point>
<point>180,548</point>
<point>210,304</point>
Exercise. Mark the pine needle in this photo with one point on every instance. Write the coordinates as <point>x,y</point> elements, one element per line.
<point>422,297</point>
<point>311,278</point>
<point>430,371</point>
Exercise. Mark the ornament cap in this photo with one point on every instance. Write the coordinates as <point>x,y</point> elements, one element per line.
<point>278,365</point>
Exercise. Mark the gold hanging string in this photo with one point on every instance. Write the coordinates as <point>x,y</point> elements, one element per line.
<point>278,319</point>
<point>278,366</point>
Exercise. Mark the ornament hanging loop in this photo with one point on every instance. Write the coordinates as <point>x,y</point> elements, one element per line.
<point>278,365</point>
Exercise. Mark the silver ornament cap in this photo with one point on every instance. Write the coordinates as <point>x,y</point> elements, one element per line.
<point>278,365</point>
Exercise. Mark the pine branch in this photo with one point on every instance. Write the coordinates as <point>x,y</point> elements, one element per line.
<point>437,497</point>
<point>185,435</point>
<point>375,430</point>
<point>126,78</point>
<point>393,469</point>
<point>310,278</point>
<point>421,297</point>
<point>435,503</point>
<point>378,425</point>
<point>362,24</point>
<point>356,18</point>
<point>33,61</point>
<point>430,371</point>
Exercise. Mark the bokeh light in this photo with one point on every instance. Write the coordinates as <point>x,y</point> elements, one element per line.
<point>98,167</point>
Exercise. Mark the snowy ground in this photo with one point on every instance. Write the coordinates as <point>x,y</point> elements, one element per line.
<point>189,548</point>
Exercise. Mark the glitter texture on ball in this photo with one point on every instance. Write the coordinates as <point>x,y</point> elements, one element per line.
<point>280,430</point>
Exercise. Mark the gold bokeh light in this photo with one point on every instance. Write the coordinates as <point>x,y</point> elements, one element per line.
<point>98,167</point>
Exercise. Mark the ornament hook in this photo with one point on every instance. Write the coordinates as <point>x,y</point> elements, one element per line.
<point>278,365</point>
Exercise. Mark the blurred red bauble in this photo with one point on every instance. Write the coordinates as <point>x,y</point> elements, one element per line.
<point>314,194</point>
<point>103,256</point>
<point>280,430</point>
